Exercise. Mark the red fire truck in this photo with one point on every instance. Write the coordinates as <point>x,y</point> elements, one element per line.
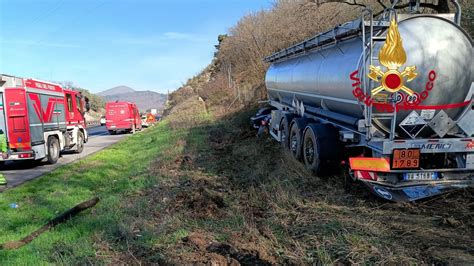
<point>39,120</point>
<point>122,116</point>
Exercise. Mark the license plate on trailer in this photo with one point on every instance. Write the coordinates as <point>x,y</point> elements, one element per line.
<point>420,176</point>
<point>406,159</point>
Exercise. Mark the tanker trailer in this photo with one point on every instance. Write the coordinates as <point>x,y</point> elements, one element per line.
<point>389,98</point>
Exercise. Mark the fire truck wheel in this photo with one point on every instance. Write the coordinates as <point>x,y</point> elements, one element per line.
<point>80,142</point>
<point>112,132</point>
<point>53,150</point>
<point>311,150</point>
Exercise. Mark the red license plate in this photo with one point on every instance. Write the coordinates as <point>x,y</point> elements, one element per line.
<point>406,159</point>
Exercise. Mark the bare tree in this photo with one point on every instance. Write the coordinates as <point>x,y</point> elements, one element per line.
<point>239,67</point>
<point>442,6</point>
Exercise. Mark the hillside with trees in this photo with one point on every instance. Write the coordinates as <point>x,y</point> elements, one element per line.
<point>96,103</point>
<point>235,77</point>
<point>145,100</point>
<point>199,188</point>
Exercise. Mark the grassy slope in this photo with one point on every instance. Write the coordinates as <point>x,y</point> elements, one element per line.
<point>113,174</point>
<point>215,193</point>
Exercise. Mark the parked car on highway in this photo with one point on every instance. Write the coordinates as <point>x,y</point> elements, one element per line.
<point>122,116</point>
<point>144,121</point>
<point>102,120</point>
<point>148,120</point>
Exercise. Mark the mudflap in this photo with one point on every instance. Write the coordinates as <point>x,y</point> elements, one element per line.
<point>416,192</point>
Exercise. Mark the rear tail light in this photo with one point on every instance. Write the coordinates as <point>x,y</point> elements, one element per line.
<point>25,155</point>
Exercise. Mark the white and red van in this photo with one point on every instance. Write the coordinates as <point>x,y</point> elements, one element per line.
<point>122,116</point>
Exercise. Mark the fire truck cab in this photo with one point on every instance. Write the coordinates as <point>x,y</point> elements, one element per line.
<point>39,120</point>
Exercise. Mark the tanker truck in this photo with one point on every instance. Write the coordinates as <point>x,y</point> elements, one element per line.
<point>387,98</point>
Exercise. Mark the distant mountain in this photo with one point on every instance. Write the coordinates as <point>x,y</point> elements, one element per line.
<point>116,90</point>
<point>144,99</point>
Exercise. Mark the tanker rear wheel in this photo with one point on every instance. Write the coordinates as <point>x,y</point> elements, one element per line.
<point>311,150</point>
<point>296,138</point>
<point>321,148</point>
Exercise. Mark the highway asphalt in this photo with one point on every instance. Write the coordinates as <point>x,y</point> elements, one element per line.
<point>17,173</point>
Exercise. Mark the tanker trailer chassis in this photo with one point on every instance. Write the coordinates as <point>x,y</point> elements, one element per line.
<point>321,142</point>
<point>409,144</point>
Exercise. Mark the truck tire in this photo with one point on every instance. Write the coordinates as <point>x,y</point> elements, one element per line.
<point>80,142</point>
<point>311,150</point>
<point>284,131</point>
<point>321,145</point>
<point>295,139</point>
<point>112,132</point>
<point>53,150</point>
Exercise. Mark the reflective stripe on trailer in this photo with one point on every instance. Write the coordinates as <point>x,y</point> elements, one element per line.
<point>366,175</point>
<point>370,164</point>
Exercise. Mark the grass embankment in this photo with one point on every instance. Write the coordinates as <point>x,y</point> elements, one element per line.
<point>216,194</point>
<point>114,174</point>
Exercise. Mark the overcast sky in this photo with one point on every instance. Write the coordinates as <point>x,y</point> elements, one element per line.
<point>98,44</point>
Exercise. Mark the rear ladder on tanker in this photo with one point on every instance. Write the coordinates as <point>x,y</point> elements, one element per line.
<point>368,40</point>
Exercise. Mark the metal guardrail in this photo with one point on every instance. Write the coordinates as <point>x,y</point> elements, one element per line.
<point>95,123</point>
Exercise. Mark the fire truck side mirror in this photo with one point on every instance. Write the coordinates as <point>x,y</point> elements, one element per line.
<point>88,106</point>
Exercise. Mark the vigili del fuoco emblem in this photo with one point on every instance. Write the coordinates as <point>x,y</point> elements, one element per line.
<point>392,56</point>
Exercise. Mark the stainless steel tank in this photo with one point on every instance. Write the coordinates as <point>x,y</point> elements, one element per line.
<point>321,77</point>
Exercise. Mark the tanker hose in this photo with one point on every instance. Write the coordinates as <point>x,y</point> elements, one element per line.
<point>457,17</point>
